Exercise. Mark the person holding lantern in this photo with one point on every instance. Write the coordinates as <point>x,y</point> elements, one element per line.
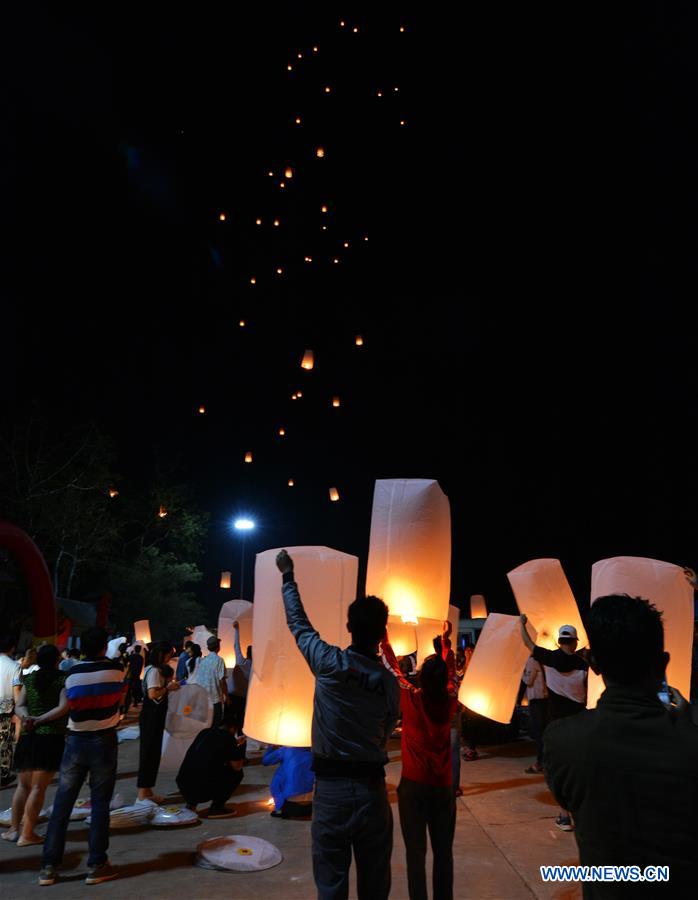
<point>355,708</point>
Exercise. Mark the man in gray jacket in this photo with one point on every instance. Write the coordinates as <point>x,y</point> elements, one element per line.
<point>356,706</point>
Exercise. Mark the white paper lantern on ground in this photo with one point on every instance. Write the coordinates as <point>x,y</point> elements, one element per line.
<point>238,853</point>
<point>663,584</point>
<point>141,630</point>
<point>543,593</point>
<point>409,556</point>
<point>172,816</point>
<point>280,697</point>
<point>232,611</point>
<point>189,711</point>
<point>493,678</point>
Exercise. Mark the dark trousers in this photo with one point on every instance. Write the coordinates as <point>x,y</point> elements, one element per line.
<point>351,814</point>
<point>137,690</point>
<point>537,720</point>
<point>238,705</point>
<point>425,807</point>
<point>202,789</point>
<point>217,715</point>
<point>94,753</point>
<point>152,725</point>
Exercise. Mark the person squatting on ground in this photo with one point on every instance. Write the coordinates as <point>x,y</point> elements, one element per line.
<point>212,768</point>
<point>42,707</point>
<point>628,770</point>
<point>158,683</point>
<point>566,679</point>
<point>426,793</point>
<point>94,688</point>
<point>356,706</point>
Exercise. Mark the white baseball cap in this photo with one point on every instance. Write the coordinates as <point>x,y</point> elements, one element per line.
<point>567,631</point>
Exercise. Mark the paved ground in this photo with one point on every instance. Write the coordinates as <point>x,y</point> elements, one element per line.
<point>504,832</point>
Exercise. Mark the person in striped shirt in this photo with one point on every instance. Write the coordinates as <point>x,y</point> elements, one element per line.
<point>94,689</point>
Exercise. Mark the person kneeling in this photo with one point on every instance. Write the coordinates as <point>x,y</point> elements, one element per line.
<point>212,768</point>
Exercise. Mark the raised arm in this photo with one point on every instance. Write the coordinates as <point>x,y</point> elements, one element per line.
<point>390,662</point>
<point>525,636</point>
<point>320,656</point>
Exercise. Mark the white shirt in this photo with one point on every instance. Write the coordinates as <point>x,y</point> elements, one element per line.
<point>567,684</point>
<point>9,668</point>
<point>534,680</point>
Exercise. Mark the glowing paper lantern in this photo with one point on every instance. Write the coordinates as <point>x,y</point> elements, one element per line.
<point>289,172</point>
<point>141,631</point>
<point>225,580</point>
<point>543,593</point>
<point>320,152</point>
<point>478,607</point>
<point>231,611</point>
<point>334,494</point>
<point>280,697</point>
<point>291,482</point>
<point>248,457</point>
<point>427,630</point>
<point>664,585</point>
<point>493,677</point>
<point>335,402</point>
<point>402,636</point>
<point>202,410</point>
<point>358,340</point>
<point>308,360</point>
<point>113,492</point>
<point>409,556</point>
<point>200,636</point>
<point>282,432</point>
<point>162,512</point>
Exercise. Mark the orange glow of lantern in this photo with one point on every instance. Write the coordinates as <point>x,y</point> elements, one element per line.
<point>289,67</point>
<point>334,494</point>
<point>320,152</point>
<point>359,341</point>
<point>253,280</point>
<point>409,556</point>
<point>258,221</point>
<point>141,632</point>
<point>300,56</point>
<point>315,49</point>
<point>222,217</point>
<point>241,323</point>
<point>113,492</point>
<point>248,457</point>
<point>162,512</point>
<point>233,611</point>
<point>345,244</point>
<point>543,593</point>
<point>327,89</point>
<point>279,271</point>
<point>324,227</point>
<point>342,24</point>
<point>308,259</point>
<point>478,607</point>
<point>335,401</point>
<point>294,396</point>
<point>276,223</point>
<point>396,89</point>
<point>298,120</point>
<point>402,636</point>
<point>355,30</point>
<point>379,93</point>
<point>202,410</point>
<point>402,28</point>
<point>282,432</point>
<point>280,697</point>
<point>270,174</point>
<point>663,584</point>
<point>291,482</point>
<point>282,185</point>
<point>335,261</point>
<point>308,360</point>
<point>493,677</point>
<point>289,172</point>
<point>225,581</point>
<point>323,208</point>
<point>402,122</point>
<point>299,394</point>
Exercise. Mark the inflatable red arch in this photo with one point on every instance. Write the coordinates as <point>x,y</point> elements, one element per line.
<point>36,574</point>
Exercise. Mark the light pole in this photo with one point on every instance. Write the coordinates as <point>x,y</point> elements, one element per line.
<point>243,525</point>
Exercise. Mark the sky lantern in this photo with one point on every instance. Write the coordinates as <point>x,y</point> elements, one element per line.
<point>276,223</point>
<point>222,217</point>
<point>288,172</point>
<point>113,492</point>
<point>291,482</point>
<point>225,581</point>
<point>663,584</point>
<point>427,630</point>
<point>162,512</point>
<point>402,636</point>
<point>282,185</point>
<point>493,677</point>
<point>478,607</point>
<point>299,394</point>
<point>279,271</point>
<point>409,555</point>
<point>308,360</point>
<point>280,697</point>
<point>141,632</point>
<point>334,494</point>
<point>345,244</point>
<point>359,341</point>
<point>298,120</point>
<point>241,323</point>
<point>202,410</point>
<point>282,432</point>
<point>323,208</point>
<point>335,402</point>
<point>253,280</point>
<point>543,593</point>
<point>270,174</point>
<point>327,89</point>
<point>230,612</point>
<point>248,456</point>
<point>320,152</point>
<point>258,221</point>
<point>200,636</point>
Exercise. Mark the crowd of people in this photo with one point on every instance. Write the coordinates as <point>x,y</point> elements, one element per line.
<point>625,774</point>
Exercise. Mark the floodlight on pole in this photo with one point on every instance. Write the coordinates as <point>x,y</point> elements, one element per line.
<point>243,525</point>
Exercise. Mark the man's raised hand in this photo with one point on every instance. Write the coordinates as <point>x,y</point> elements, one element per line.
<point>284,563</point>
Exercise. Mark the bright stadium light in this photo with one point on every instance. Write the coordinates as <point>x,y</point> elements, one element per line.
<point>243,524</point>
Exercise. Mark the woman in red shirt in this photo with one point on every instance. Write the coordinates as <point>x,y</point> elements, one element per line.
<point>426,796</point>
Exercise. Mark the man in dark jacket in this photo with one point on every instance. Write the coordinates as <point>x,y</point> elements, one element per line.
<point>628,770</point>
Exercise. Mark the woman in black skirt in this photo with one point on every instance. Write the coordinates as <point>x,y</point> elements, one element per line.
<point>157,683</point>
<point>43,707</point>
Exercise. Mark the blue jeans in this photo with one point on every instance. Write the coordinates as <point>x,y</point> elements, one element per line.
<point>93,753</point>
<point>351,814</point>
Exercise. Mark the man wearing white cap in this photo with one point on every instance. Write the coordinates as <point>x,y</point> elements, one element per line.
<point>566,677</point>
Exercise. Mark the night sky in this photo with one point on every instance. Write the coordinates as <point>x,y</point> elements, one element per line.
<point>526,293</point>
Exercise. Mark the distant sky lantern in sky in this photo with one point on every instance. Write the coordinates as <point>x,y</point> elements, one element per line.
<point>282,185</point>
<point>270,174</point>
<point>334,494</point>
<point>308,360</point>
<point>359,341</point>
<point>280,697</point>
<point>289,67</point>
<point>299,394</point>
<point>493,677</point>
<point>315,49</point>
<point>230,612</point>
<point>279,271</point>
<point>242,323</point>
<point>320,152</point>
<point>113,492</point>
<point>308,259</point>
<point>294,396</point>
<point>253,280</point>
<point>141,631</point>
<point>202,410</point>
<point>276,223</point>
<point>379,93</point>
<point>409,555</point>
<point>225,581</point>
<point>258,221</point>
<point>335,260</point>
<point>162,512</point>
<point>345,244</point>
<point>327,89</point>
<point>288,172</point>
<point>335,401</point>
<point>543,593</point>
<point>222,217</point>
<point>355,30</point>
<point>298,120</point>
<point>478,607</point>
<point>282,432</point>
<point>323,208</point>
<point>664,585</point>
<point>291,482</point>
<point>248,457</point>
